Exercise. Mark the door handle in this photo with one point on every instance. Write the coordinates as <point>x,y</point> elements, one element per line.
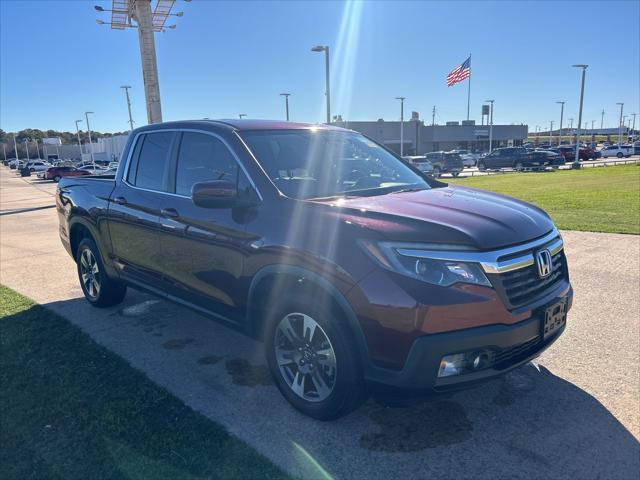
<point>169,213</point>
<point>120,200</point>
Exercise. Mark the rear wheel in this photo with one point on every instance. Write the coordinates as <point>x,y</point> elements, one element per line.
<point>56,178</point>
<point>481,165</point>
<point>436,172</point>
<point>455,174</point>
<point>519,167</point>
<point>619,155</point>
<point>98,288</point>
<point>312,362</point>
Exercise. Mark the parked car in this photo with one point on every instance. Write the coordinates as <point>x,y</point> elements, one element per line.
<point>16,164</point>
<point>421,163</point>
<point>93,169</point>
<point>547,158</point>
<point>37,166</point>
<point>348,264</point>
<point>636,148</point>
<point>445,162</point>
<point>568,152</point>
<point>57,173</point>
<point>618,151</point>
<point>468,159</point>
<point>517,158</point>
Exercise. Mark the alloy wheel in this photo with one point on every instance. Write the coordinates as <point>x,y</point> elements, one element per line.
<point>305,357</point>
<point>90,273</point>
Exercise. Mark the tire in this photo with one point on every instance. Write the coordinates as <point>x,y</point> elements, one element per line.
<point>99,290</point>
<point>619,155</point>
<point>56,178</point>
<point>32,170</point>
<point>324,386</point>
<point>482,166</point>
<point>518,167</point>
<point>436,172</point>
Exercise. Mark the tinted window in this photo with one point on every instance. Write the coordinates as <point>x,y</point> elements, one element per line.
<point>201,158</point>
<point>149,170</point>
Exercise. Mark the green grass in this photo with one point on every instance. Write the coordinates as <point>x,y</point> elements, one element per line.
<point>602,199</point>
<point>70,409</point>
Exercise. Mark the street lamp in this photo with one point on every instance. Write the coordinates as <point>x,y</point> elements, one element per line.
<point>584,70</point>
<point>286,104</point>
<point>490,125</point>
<point>551,134</point>
<point>620,124</point>
<point>86,116</point>
<point>561,113</point>
<point>78,133</point>
<point>325,49</point>
<point>126,92</point>
<point>401,125</point>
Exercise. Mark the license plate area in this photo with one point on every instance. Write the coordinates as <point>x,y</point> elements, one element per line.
<point>555,317</point>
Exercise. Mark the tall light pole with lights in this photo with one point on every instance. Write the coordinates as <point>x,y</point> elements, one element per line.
<point>490,125</point>
<point>78,133</point>
<point>86,115</point>
<point>620,123</point>
<point>325,49</point>
<point>286,104</point>
<point>401,124</point>
<point>123,14</point>
<point>126,94</point>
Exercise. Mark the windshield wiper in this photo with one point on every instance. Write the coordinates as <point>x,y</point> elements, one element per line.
<point>410,189</point>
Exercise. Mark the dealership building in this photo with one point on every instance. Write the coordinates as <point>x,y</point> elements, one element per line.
<point>420,138</point>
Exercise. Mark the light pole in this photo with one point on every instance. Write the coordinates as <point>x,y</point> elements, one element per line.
<point>620,124</point>
<point>401,125</point>
<point>4,150</point>
<point>570,125</point>
<point>561,113</point>
<point>15,147</point>
<point>79,142</point>
<point>35,140</point>
<point>584,70</point>
<point>490,125</point>
<point>602,119</point>
<point>633,128</point>
<point>126,93</point>
<point>26,146</point>
<point>551,134</point>
<point>286,104</point>
<point>325,49</point>
<point>86,115</point>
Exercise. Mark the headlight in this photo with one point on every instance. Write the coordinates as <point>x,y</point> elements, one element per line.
<point>429,270</point>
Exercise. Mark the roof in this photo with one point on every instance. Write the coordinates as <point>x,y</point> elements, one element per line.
<point>253,124</point>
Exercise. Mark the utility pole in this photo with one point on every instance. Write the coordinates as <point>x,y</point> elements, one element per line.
<point>86,115</point>
<point>602,120</point>
<point>15,147</point>
<point>490,125</point>
<point>79,142</point>
<point>561,113</point>
<point>401,124</point>
<point>570,125</point>
<point>433,116</point>
<point>620,124</point>
<point>286,104</point>
<point>126,93</point>
<point>584,70</point>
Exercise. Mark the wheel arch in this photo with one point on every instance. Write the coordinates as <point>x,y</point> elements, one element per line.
<point>293,281</point>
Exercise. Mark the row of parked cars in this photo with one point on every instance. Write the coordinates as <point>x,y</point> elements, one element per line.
<point>60,169</point>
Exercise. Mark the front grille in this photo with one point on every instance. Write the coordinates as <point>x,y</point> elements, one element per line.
<point>524,285</point>
<point>507,356</point>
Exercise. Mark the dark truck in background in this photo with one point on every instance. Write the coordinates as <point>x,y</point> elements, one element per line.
<point>518,158</point>
<point>353,267</point>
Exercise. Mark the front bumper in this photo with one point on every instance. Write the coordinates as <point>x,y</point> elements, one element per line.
<point>420,371</point>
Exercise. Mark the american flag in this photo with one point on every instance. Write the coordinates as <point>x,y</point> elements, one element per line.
<point>459,73</point>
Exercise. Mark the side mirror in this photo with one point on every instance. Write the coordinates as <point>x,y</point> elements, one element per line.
<point>214,194</point>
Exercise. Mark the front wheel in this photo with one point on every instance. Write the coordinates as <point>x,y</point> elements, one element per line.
<point>519,167</point>
<point>619,155</point>
<point>56,178</point>
<point>455,174</point>
<point>98,288</point>
<point>436,172</point>
<point>482,166</point>
<point>312,361</point>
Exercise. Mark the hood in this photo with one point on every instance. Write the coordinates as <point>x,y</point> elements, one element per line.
<point>452,215</point>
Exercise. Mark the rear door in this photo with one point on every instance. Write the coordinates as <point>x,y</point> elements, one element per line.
<point>134,212</point>
<point>203,249</point>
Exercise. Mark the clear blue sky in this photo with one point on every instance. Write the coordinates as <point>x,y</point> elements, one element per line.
<point>226,58</point>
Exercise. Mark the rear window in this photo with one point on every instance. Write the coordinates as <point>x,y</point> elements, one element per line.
<point>151,160</point>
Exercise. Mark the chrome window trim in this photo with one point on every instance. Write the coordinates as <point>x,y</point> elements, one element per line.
<point>490,261</point>
<point>136,139</point>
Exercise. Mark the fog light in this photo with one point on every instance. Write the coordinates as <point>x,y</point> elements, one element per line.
<point>452,365</point>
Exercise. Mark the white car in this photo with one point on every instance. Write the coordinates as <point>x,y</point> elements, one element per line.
<point>93,169</point>
<point>616,151</point>
<point>468,159</point>
<point>421,163</point>
<point>37,166</point>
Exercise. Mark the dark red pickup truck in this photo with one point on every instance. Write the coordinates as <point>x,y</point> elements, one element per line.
<point>353,267</point>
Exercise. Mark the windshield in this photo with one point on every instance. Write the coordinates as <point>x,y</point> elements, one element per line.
<point>320,163</point>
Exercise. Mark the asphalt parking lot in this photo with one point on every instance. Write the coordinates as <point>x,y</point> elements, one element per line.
<point>574,413</point>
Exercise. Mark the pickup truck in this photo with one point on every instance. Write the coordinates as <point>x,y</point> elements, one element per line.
<point>351,265</point>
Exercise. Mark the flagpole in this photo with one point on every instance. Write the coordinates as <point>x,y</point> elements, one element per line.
<point>469,88</point>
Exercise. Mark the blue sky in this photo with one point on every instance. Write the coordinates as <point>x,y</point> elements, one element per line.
<point>226,58</point>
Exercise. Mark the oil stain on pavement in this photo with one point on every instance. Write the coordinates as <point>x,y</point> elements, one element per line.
<point>177,343</point>
<point>429,425</point>
<point>209,360</point>
<point>244,373</point>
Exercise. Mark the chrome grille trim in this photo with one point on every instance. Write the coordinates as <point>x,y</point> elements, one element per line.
<point>490,261</point>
